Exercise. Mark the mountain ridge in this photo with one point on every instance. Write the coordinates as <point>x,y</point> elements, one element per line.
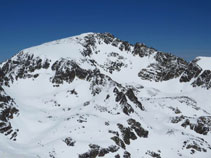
<point>149,72</point>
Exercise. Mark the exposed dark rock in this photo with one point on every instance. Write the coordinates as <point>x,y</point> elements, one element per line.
<point>5,127</point>
<point>69,141</point>
<point>114,66</point>
<point>140,131</point>
<point>167,67</point>
<point>126,155</point>
<point>127,134</point>
<point>204,80</point>
<point>118,142</point>
<point>107,37</point>
<point>113,148</point>
<point>142,50</point>
<point>81,73</point>
<point>103,152</point>
<point>89,44</point>
<point>115,42</point>
<point>192,71</point>
<point>63,73</point>
<point>7,111</point>
<point>86,103</point>
<point>177,119</point>
<point>98,81</point>
<point>67,70</point>
<point>121,98</point>
<point>117,156</point>
<point>125,46</point>
<point>114,132</point>
<point>133,98</point>
<point>94,146</point>
<point>196,145</point>
<point>176,110</point>
<point>97,151</point>
<point>203,125</point>
<point>153,154</point>
<point>84,155</point>
<point>52,154</point>
<point>21,67</point>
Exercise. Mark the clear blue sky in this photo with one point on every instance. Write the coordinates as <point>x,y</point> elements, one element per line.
<point>182,27</point>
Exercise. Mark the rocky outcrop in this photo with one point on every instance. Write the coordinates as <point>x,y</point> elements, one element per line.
<point>153,154</point>
<point>167,67</point>
<point>204,80</point>
<point>133,98</point>
<point>21,67</point>
<point>196,145</point>
<point>142,50</point>
<point>69,141</point>
<point>140,131</point>
<point>192,71</point>
<point>201,126</point>
<point>128,133</point>
<point>97,151</point>
<point>121,98</point>
<point>8,110</point>
<point>67,70</point>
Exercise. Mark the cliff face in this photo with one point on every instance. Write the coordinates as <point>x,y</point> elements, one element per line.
<point>94,95</point>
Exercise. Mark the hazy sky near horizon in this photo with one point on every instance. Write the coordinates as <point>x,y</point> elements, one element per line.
<point>181,27</point>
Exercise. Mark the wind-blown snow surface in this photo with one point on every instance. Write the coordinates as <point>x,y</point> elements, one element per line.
<point>94,95</point>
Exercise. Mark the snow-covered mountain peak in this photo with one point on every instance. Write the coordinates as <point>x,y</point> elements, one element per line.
<point>63,48</point>
<point>94,95</point>
<point>85,43</point>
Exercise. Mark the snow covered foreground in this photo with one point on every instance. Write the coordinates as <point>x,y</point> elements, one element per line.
<point>94,95</point>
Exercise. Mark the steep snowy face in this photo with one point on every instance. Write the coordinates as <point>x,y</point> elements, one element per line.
<point>204,62</point>
<point>94,95</point>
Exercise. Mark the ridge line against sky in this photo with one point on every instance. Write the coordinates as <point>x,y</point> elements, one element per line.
<point>179,27</point>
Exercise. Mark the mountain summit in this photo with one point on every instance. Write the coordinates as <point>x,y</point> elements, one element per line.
<point>94,95</point>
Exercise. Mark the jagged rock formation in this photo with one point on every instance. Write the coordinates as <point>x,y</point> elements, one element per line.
<point>8,109</point>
